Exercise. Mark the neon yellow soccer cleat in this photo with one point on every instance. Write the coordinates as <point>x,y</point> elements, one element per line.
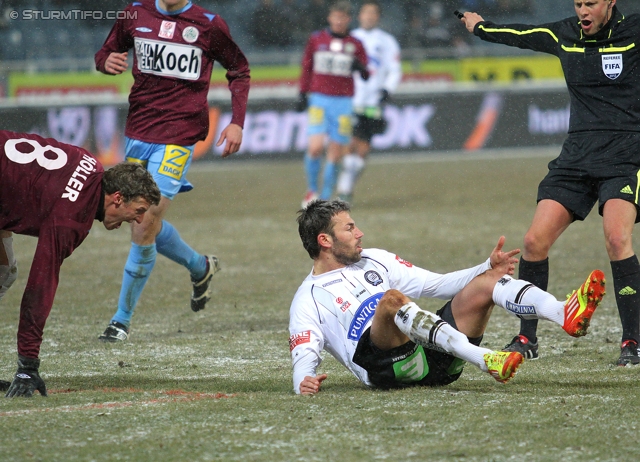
<point>503,365</point>
<point>582,303</point>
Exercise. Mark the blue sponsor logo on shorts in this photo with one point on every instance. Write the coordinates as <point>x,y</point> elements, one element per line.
<point>520,309</point>
<point>363,315</point>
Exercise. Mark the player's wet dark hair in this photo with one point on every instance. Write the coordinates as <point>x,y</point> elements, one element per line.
<point>316,219</point>
<point>133,181</point>
<point>342,6</point>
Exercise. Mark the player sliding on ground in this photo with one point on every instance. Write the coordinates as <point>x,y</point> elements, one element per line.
<point>355,305</point>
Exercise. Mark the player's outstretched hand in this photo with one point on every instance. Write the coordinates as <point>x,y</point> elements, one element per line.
<point>470,20</point>
<point>302,103</point>
<point>116,63</point>
<point>27,380</point>
<point>311,385</point>
<point>505,262</point>
<point>233,136</point>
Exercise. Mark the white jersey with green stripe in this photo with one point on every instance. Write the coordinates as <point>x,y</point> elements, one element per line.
<point>331,311</point>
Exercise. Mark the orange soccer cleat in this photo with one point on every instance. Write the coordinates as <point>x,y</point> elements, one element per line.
<point>582,303</point>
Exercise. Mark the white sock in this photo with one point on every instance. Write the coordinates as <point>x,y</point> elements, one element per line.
<point>7,242</point>
<point>523,299</point>
<point>352,166</point>
<point>8,273</point>
<point>426,329</point>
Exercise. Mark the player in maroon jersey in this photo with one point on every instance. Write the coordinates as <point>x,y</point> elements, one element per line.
<point>175,44</point>
<point>54,191</point>
<point>329,60</point>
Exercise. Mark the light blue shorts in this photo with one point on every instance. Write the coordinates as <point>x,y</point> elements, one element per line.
<point>167,163</point>
<point>330,115</point>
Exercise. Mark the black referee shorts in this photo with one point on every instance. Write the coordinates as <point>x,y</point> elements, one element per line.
<point>594,166</point>
<point>442,368</point>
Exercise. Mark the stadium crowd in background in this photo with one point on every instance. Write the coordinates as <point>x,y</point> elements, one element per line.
<point>599,160</point>
<point>433,26</point>
<point>354,304</point>
<point>383,54</point>
<point>269,25</point>
<point>55,191</point>
<point>168,114</point>
<point>17,37</point>
<point>329,61</point>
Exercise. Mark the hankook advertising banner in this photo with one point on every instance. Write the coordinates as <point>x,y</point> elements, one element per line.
<point>461,120</point>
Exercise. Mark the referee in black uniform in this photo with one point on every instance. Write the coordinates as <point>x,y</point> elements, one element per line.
<point>600,160</point>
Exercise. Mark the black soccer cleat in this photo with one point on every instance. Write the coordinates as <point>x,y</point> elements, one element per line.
<point>202,288</point>
<point>115,332</point>
<point>628,354</point>
<point>524,346</point>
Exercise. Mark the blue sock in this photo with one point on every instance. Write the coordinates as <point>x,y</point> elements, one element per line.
<point>312,169</point>
<point>170,244</point>
<point>136,273</point>
<point>328,180</point>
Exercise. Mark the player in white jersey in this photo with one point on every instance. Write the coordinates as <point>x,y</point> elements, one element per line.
<point>370,95</point>
<point>354,304</point>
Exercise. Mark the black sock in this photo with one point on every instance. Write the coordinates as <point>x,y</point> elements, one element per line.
<point>537,273</point>
<point>626,283</point>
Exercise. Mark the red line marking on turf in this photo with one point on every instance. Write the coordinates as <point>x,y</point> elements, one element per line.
<point>171,396</point>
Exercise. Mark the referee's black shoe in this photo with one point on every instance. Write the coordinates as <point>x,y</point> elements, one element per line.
<point>628,353</point>
<point>524,346</point>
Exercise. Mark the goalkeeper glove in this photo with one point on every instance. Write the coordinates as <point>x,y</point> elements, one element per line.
<point>302,103</point>
<point>27,380</point>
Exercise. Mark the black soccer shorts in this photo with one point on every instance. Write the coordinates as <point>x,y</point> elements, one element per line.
<point>366,127</point>
<point>409,364</point>
<point>594,167</point>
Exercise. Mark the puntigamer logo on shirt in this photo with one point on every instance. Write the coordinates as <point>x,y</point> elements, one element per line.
<point>362,316</point>
<point>168,59</point>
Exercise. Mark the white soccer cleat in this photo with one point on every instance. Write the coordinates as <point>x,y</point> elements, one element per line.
<point>309,197</point>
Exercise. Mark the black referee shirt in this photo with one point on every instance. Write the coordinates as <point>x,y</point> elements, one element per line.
<point>602,71</point>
